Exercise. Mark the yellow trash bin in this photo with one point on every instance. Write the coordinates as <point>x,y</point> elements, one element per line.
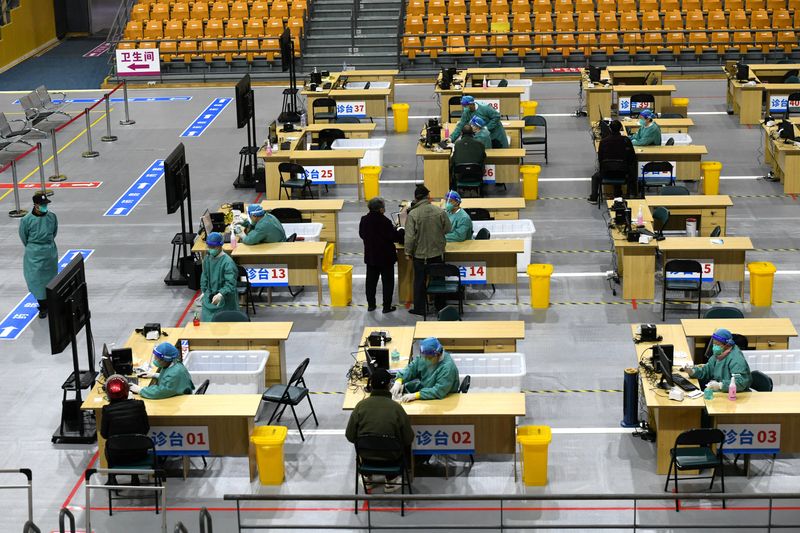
<point>711,172</point>
<point>268,441</point>
<point>680,105</point>
<point>539,275</point>
<point>400,112</point>
<point>340,284</point>
<point>530,181</point>
<point>370,176</point>
<point>534,441</point>
<point>762,275</point>
<point>529,110</point>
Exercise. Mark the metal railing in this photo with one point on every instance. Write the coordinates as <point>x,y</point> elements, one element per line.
<point>205,523</point>
<point>27,487</point>
<point>66,514</point>
<point>523,518</point>
<point>161,489</point>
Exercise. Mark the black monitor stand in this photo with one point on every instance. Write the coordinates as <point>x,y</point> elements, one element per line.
<point>181,264</point>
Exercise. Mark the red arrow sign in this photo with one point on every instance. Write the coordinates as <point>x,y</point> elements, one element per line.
<point>57,185</point>
<point>138,67</point>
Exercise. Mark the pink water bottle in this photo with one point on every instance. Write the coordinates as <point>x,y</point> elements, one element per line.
<point>732,388</point>
<point>446,131</point>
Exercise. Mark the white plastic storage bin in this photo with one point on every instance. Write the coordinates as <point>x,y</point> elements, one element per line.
<point>491,372</point>
<point>783,366</point>
<point>681,139</point>
<point>524,97</point>
<point>374,149</point>
<point>511,229</point>
<point>230,371</point>
<point>309,231</point>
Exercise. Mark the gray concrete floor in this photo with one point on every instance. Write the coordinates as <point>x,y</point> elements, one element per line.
<point>581,342</point>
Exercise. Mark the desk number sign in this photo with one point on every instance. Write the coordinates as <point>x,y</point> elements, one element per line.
<point>625,107</point>
<point>269,276</point>
<point>780,103</point>
<point>471,273</point>
<point>489,173</point>
<point>443,439</point>
<point>707,275</point>
<point>494,103</point>
<point>180,440</point>
<point>751,438</point>
<point>351,109</point>
<point>321,174</point>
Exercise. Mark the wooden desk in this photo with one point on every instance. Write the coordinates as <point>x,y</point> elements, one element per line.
<point>710,209</point>
<point>326,212</point>
<point>436,167</point>
<point>494,416</point>
<point>598,100</point>
<point>303,259</point>
<point>269,336</point>
<point>374,75</point>
<point>499,208</point>
<point>670,418</point>
<point>661,93</point>
<point>351,131</point>
<point>729,257</point>
<point>634,204</point>
<point>346,165</point>
<point>482,336</point>
<point>513,128</point>
<point>375,100</point>
<point>685,158</point>
<point>502,73</point>
<point>761,333</point>
<point>627,74</point>
<point>762,408</point>
<point>508,98</point>
<point>667,125</point>
<point>636,263</point>
<point>783,158</point>
<point>746,100</point>
<point>498,254</point>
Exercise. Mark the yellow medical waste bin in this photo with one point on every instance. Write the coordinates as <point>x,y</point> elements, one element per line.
<point>530,181</point>
<point>400,112</point>
<point>268,441</point>
<point>370,176</point>
<point>539,275</point>
<point>529,110</point>
<point>762,275</point>
<point>534,441</point>
<point>711,172</point>
<point>340,284</point>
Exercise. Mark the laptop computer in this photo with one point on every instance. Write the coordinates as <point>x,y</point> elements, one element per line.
<point>208,226</point>
<point>379,357</point>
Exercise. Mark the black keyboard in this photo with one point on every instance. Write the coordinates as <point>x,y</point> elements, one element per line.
<point>683,383</point>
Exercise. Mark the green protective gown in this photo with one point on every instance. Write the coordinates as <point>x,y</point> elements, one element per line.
<point>723,371</point>
<point>461,226</point>
<point>484,137</point>
<point>40,263</point>
<point>268,229</point>
<point>435,382</point>
<point>649,136</point>
<point>172,381</point>
<point>492,119</point>
<point>219,276</point>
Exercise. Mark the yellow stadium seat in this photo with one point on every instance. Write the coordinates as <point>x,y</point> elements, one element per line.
<point>456,7</point>
<point>669,5</point>
<point>477,44</point>
<point>720,39</point>
<point>520,7</point>
<point>675,38</point>
<point>140,12</point>
<point>457,24</point>
<point>652,40</point>
<point>752,5</point>
<point>629,28</point>
<point>607,6</point>
<point>521,45</point>
<point>584,6</point>
<point>608,22</point>
<point>167,50</point>
<point>793,5</point>
<point>234,28</point>
<point>500,40</point>
<point>255,28</point>
<point>587,43</point>
<point>159,12</point>
<point>587,22</point>
<point>435,25</point>
<point>648,5</point>
<point>781,19</point>
<point>298,9</point>
<point>624,6</point>
<point>698,39</point>
<point>478,24</point>
<point>712,5</point>
<point>787,39</point>
<point>543,22</point>
<point>543,43</point>
<point>210,48</point>
<point>173,29</point>
<point>499,7</point>
<point>194,29</point>
<point>433,46</point>
<point>279,9</point>
<point>415,7</point>
<point>609,41</point>
<point>565,22</point>
<point>437,7</point>
<point>456,45</point>
<point>126,45</point>
<point>146,2</point>
<point>180,11</point>
<point>295,26</point>
<point>415,24</point>
<point>772,5</point>
<point>274,27</point>
<point>733,5</point>
<point>240,10</point>
<point>229,48</point>
<point>219,10</point>
<point>213,28</point>
<point>133,30</point>
<point>542,6</point>
<point>200,10</point>
<point>566,44</point>
<point>154,30</point>
<point>251,49</point>
<point>563,6</point>
<point>690,5</point>
<point>259,9</point>
<point>478,7</point>
<point>272,47</point>
<point>759,21</point>
<point>411,44</point>
<point>522,23</point>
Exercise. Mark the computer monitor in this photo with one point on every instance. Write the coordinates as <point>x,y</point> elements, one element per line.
<point>176,178</point>
<point>594,74</point>
<point>378,358</point>
<point>122,359</point>
<point>663,365</point>
<point>742,72</point>
<point>651,79</point>
<point>272,136</point>
<point>206,222</point>
<point>68,301</point>
<point>786,130</point>
<point>107,367</point>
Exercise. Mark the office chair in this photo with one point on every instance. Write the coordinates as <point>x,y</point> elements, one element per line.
<point>381,455</point>
<point>449,314</point>
<point>724,312</point>
<point>327,110</point>
<point>716,232</point>
<point>327,136</point>
<point>692,282</point>
<point>454,115</point>
<point>287,215</point>
<point>693,450</point>
<point>661,216</point>
<point>289,173</point>
<point>760,381</point>
<point>641,101</point>
<point>478,213</point>
<point>502,83</point>
<point>536,138</point>
<point>231,316</point>
<point>469,176</point>
<point>290,395</point>
<point>670,142</point>
<point>438,286</point>
<point>659,168</point>
<point>612,172</point>
<point>674,190</point>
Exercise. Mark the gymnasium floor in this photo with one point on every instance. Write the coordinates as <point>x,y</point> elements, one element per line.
<point>581,343</point>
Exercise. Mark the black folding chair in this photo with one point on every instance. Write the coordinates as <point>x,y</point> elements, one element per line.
<point>131,452</point>
<point>537,137</point>
<point>694,450</point>
<point>478,213</point>
<point>613,172</point>
<point>290,395</point>
<point>454,115</point>
<point>287,215</point>
<point>438,286</point>
<point>293,177</point>
<point>324,109</point>
<point>245,288</point>
<point>692,283</point>
<point>231,315</point>
<point>327,136</point>
<point>382,455</point>
<point>674,190</point>
<point>657,167</point>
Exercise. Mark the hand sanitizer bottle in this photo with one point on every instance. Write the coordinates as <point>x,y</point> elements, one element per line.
<point>732,388</point>
<point>639,217</point>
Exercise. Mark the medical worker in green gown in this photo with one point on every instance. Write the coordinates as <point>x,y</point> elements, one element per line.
<point>218,282</point>
<point>172,378</point>
<point>263,227</point>
<point>38,230</point>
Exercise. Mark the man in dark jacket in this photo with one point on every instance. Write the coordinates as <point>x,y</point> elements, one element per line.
<point>380,255</point>
<point>122,416</point>
<point>467,150</point>
<point>619,147</point>
<point>380,415</point>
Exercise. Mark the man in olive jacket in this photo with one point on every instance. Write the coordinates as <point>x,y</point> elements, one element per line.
<point>379,414</point>
<point>425,241</point>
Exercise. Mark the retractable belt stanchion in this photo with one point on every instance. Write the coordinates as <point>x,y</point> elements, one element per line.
<point>127,121</point>
<point>90,152</point>
<point>45,190</point>
<point>16,213</point>
<point>58,176</point>
<point>108,138</point>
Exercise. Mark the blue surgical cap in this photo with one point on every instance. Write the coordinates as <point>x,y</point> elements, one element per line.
<point>466,100</point>
<point>430,346</point>
<point>214,239</point>
<point>646,113</point>
<point>453,195</point>
<point>478,121</point>
<point>724,336</point>
<point>166,351</point>
<point>255,210</point>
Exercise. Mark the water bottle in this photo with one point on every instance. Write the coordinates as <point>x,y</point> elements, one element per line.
<point>344,66</point>
<point>640,217</point>
<point>708,394</point>
<point>732,388</point>
<point>184,349</point>
<point>485,83</point>
<point>395,355</point>
<point>269,148</point>
<point>233,240</point>
<point>447,131</point>
<point>303,120</point>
